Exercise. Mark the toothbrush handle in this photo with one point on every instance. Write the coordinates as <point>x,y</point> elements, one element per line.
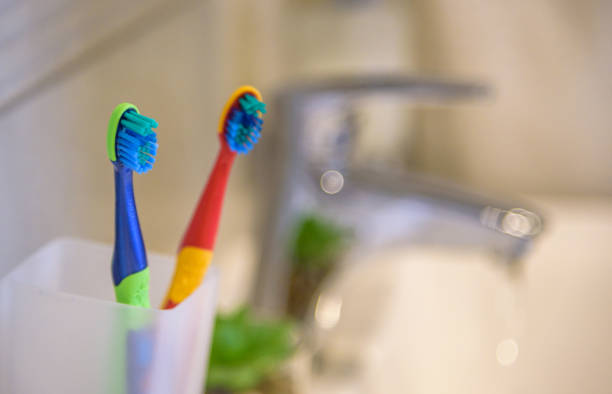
<point>129,263</point>
<point>202,230</point>
<point>196,250</point>
<point>191,266</point>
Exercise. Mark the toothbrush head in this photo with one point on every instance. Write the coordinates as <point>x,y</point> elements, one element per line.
<point>131,140</point>
<point>241,120</point>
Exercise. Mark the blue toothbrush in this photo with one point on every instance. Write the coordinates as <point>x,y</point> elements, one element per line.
<point>131,146</point>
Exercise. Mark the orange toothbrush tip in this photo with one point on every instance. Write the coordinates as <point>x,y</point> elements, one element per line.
<point>233,101</point>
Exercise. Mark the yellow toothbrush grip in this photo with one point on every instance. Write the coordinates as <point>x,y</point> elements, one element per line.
<point>191,267</point>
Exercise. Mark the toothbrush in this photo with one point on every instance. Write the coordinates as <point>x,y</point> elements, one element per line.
<point>131,145</point>
<point>239,130</point>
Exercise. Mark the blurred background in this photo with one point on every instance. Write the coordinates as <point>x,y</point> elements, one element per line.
<point>428,212</point>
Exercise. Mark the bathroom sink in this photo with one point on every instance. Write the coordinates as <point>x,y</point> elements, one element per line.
<point>417,319</point>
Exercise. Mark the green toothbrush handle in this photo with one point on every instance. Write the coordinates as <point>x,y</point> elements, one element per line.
<point>134,289</point>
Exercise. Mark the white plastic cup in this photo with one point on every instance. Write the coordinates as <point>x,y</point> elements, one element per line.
<point>61,330</point>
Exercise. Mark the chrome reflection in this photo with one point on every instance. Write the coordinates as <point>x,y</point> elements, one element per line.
<point>332,181</point>
<point>507,352</point>
<point>517,222</point>
<point>327,311</point>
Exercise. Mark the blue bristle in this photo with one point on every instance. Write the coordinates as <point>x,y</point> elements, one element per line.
<point>136,142</point>
<point>243,127</point>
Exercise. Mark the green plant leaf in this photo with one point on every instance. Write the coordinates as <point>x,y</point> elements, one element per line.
<point>245,350</point>
<point>318,242</point>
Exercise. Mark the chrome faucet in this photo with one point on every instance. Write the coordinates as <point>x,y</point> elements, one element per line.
<point>314,170</point>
